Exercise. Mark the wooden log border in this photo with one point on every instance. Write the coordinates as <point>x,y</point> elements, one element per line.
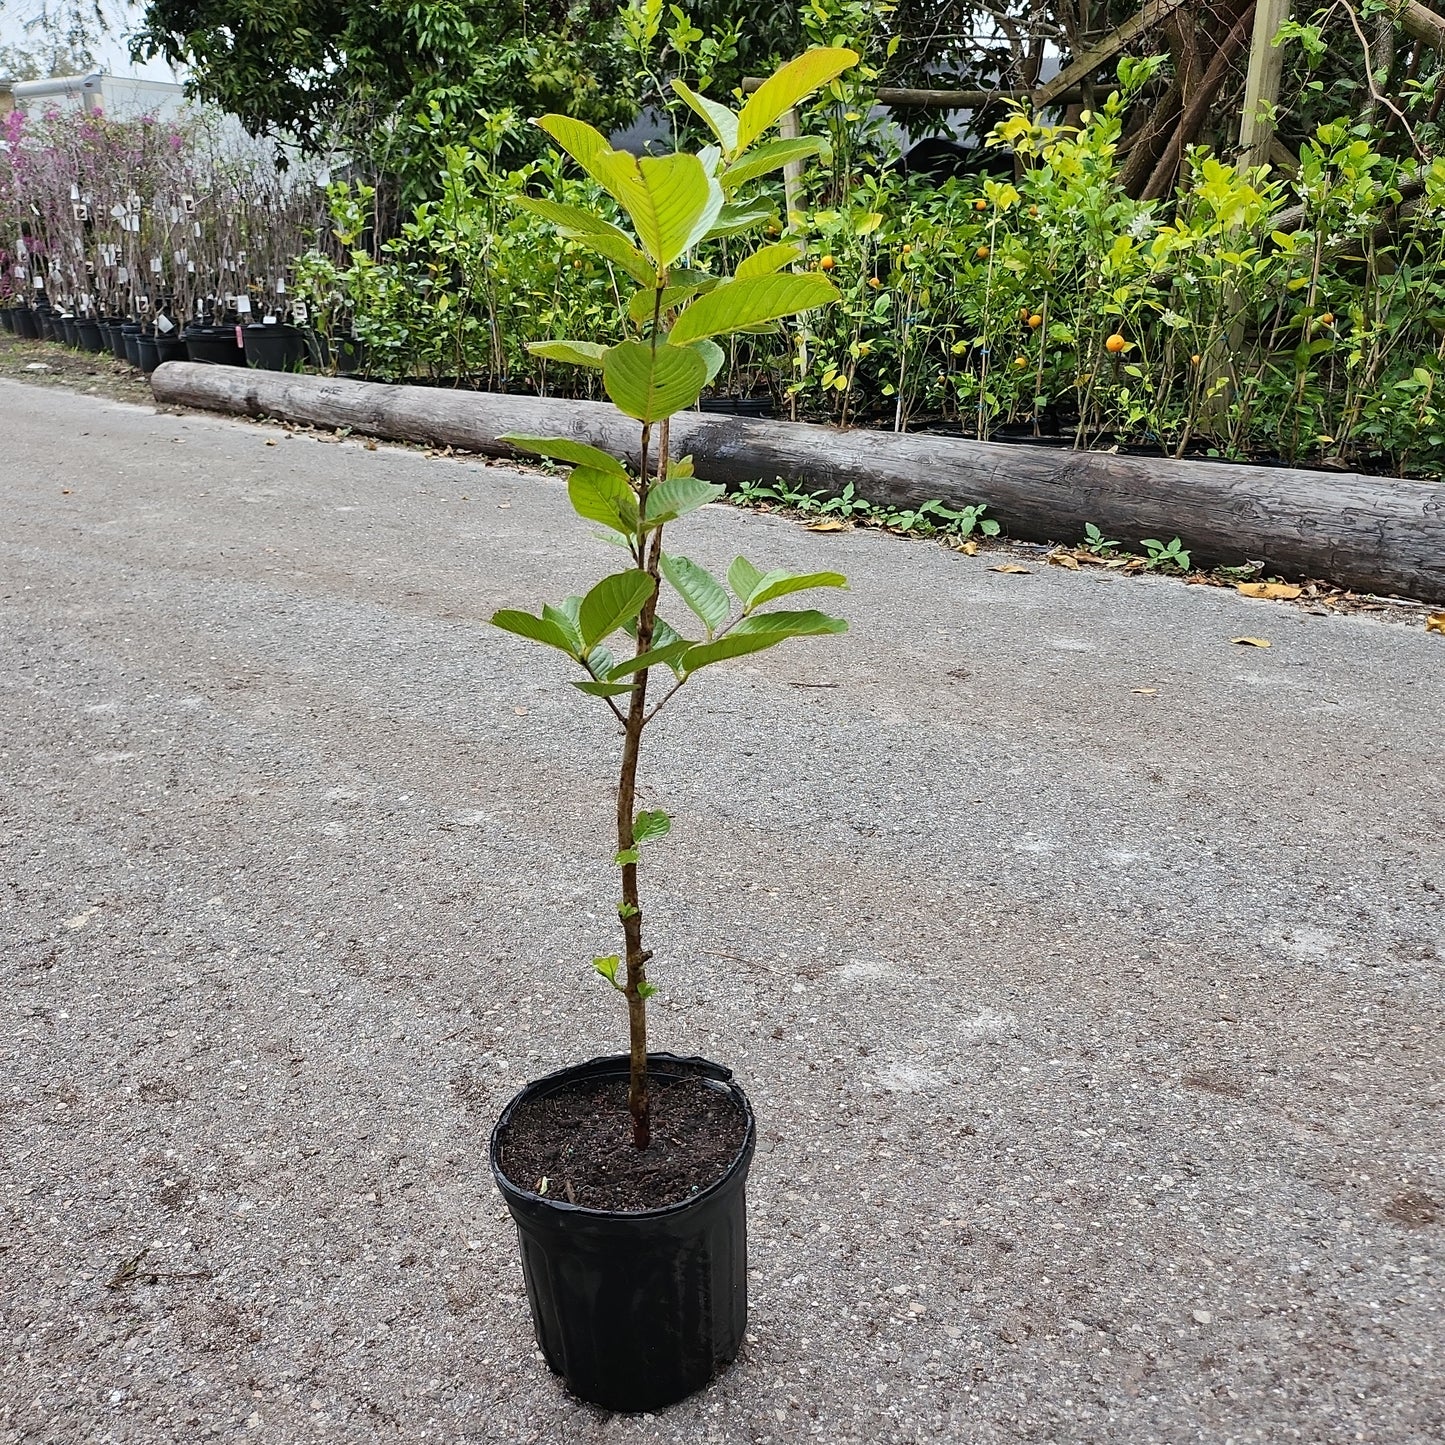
<point>1369,534</point>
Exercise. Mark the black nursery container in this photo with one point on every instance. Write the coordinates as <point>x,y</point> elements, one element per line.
<point>146,355</point>
<point>88,333</point>
<point>277,347</point>
<point>636,1310</point>
<point>26,324</point>
<point>7,318</point>
<point>213,345</point>
<point>169,346</point>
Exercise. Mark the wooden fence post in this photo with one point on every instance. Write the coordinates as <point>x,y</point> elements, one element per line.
<point>1261,85</point>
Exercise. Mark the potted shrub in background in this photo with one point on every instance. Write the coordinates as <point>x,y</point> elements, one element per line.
<point>633,1236</point>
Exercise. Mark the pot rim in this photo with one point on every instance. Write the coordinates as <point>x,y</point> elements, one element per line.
<point>691,1065</point>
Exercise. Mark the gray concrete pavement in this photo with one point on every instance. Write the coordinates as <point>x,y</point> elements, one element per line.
<point>1095,1033</point>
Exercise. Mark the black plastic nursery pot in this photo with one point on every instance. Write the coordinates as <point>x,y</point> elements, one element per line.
<point>636,1310</point>
<point>47,324</point>
<point>146,355</point>
<point>7,318</point>
<point>68,334</point>
<point>88,334</point>
<point>213,345</point>
<point>117,337</point>
<point>754,406</point>
<point>26,324</point>
<point>277,347</point>
<point>169,347</point>
<point>130,334</point>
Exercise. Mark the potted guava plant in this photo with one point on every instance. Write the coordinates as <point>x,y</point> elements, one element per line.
<point>625,1175</point>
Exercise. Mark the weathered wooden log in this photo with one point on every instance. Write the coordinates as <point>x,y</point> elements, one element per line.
<point>1372,534</point>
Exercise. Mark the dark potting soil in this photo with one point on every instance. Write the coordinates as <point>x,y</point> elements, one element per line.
<point>580,1141</point>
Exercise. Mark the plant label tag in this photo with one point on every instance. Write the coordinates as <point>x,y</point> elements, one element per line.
<point>175,214</point>
<point>118,212</point>
<point>300,312</point>
<point>243,305</point>
<point>156,265</point>
<point>39,283</point>
<point>191,268</point>
<point>164,324</point>
<point>196,229</point>
<point>323,178</point>
<point>122,275</point>
<point>188,204</point>
<point>269,320</point>
<point>142,303</point>
<point>280,285</point>
<point>80,210</point>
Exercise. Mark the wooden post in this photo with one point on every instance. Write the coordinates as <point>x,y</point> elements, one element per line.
<point>793,171</point>
<point>1261,84</point>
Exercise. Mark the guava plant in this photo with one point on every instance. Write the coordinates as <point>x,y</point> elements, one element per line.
<point>675,203</point>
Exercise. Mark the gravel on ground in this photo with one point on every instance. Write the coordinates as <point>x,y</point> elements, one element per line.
<point>1083,967</point>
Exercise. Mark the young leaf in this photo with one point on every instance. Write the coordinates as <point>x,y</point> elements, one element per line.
<point>734,220</point>
<point>572,353</point>
<point>596,234</point>
<point>720,120</point>
<point>750,303</point>
<point>627,855</point>
<point>767,260</point>
<point>564,619</point>
<point>608,967</point>
<point>564,449</point>
<point>697,587</point>
<point>605,497</point>
<point>771,157</point>
<point>677,497</point>
<point>743,578</point>
<point>649,825</point>
<point>537,629</point>
<point>613,601</point>
<point>810,623</point>
<point>735,644</point>
<point>603,689</point>
<point>779,584</point>
<point>641,304</point>
<point>584,143</point>
<point>646,990</point>
<point>668,198</point>
<point>668,655</point>
<point>711,353</point>
<point>649,385</point>
<point>795,81</point>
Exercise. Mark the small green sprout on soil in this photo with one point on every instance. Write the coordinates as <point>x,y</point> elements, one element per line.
<point>674,203</point>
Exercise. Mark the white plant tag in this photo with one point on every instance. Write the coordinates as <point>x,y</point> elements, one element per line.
<point>191,267</point>
<point>122,275</point>
<point>300,312</point>
<point>156,265</point>
<point>243,305</point>
<point>164,324</point>
<point>280,285</point>
<point>269,320</point>
<point>142,303</point>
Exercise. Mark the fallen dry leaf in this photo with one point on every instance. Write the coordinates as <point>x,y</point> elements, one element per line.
<point>828,524</point>
<point>369,445</point>
<point>969,548</point>
<point>1009,567</point>
<point>1251,641</point>
<point>1064,559</point>
<point>1435,622</point>
<point>1147,691</point>
<point>1275,591</point>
